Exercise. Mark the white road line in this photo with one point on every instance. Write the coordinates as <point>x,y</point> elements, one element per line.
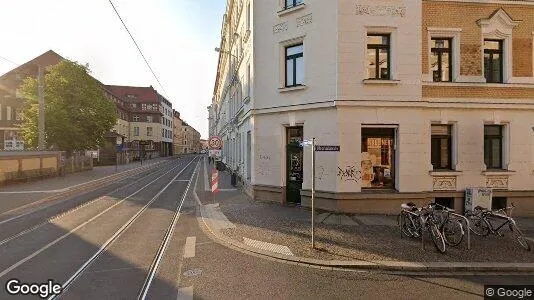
<point>22,261</point>
<point>185,293</point>
<point>207,187</point>
<point>37,192</point>
<point>189,249</point>
<point>227,190</point>
<point>181,180</point>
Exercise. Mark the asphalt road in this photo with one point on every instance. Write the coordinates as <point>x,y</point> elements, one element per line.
<point>126,241</point>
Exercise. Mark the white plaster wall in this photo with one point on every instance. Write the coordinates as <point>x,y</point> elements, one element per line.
<point>405,50</point>
<point>319,39</point>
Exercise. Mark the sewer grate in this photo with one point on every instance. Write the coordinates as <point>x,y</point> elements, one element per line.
<point>268,246</point>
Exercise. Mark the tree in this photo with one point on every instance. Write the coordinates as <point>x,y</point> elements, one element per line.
<point>77,112</point>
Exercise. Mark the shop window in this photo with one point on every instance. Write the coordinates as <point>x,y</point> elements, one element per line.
<point>378,158</point>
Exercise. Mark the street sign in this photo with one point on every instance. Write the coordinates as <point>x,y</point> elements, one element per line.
<point>216,153</point>
<point>305,143</point>
<point>327,148</point>
<point>215,143</point>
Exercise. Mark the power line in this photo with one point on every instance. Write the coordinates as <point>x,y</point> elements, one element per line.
<point>10,61</point>
<point>138,48</point>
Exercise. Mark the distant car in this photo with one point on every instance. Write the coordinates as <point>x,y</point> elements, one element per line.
<point>203,151</point>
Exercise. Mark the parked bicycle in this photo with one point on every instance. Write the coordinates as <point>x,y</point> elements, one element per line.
<point>413,220</point>
<point>450,226</point>
<point>482,223</point>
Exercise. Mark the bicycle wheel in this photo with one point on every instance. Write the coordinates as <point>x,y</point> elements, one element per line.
<point>437,238</point>
<point>405,224</point>
<point>478,225</point>
<point>453,232</point>
<point>519,237</point>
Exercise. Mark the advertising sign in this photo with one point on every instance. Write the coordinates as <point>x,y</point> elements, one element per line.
<point>478,197</point>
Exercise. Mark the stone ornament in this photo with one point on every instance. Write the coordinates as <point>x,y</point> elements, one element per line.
<point>280,27</point>
<point>381,10</point>
<point>497,182</point>
<point>307,19</point>
<point>444,183</point>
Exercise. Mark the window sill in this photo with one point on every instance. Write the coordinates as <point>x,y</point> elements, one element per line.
<point>286,11</point>
<point>445,173</point>
<point>292,88</point>
<point>497,172</point>
<point>381,81</point>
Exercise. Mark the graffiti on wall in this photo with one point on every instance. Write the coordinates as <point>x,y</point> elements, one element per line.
<point>349,173</point>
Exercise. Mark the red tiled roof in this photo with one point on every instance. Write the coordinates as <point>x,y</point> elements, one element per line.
<point>141,93</point>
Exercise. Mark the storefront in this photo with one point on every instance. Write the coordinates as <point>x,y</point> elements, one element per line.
<point>378,158</point>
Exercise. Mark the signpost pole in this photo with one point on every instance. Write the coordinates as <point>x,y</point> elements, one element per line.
<point>313,195</point>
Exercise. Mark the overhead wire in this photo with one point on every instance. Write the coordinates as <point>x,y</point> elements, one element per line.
<point>138,48</point>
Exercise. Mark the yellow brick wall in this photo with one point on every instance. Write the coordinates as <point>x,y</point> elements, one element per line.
<point>31,164</point>
<point>9,165</point>
<point>50,162</point>
<point>465,16</point>
<point>433,91</point>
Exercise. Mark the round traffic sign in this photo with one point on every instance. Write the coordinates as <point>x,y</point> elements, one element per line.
<point>215,143</point>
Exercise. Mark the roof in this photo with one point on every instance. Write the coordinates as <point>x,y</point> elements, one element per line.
<point>9,80</point>
<point>141,93</point>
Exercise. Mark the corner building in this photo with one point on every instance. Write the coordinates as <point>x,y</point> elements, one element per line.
<point>423,98</point>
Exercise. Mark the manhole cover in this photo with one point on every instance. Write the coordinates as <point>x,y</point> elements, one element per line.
<point>193,272</point>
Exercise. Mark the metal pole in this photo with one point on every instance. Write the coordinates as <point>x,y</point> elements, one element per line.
<point>313,194</point>
<point>40,97</point>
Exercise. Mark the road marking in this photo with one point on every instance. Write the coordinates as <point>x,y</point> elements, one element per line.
<point>185,293</point>
<point>189,249</point>
<point>181,180</point>
<point>37,192</point>
<point>207,187</point>
<point>227,190</point>
<point>22,261</point>
<point>268,246</point>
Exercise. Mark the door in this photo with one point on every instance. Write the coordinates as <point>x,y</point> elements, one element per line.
<point>294,160</point>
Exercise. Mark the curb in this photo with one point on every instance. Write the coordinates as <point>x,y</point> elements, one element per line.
<point>394,266</point>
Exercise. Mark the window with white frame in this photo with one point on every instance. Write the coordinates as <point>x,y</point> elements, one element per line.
<point>378,56</point>
<point>292,3</point>
<point>443,54</point>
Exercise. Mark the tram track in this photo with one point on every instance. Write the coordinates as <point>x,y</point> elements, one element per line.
<point>80,226</point>
<point>63,213</point>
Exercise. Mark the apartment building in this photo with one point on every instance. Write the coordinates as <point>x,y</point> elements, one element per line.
<point>12,103</point>
<point>424,98</point>
<point>145,115</point>
<point>166,126</point>
<point>186,139</point>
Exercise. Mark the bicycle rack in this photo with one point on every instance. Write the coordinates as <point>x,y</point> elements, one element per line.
<point>468,228</point>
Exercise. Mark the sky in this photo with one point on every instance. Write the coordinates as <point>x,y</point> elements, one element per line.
<point>177,37</point>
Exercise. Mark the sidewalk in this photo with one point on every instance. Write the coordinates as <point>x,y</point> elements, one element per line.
<point>349,240</point>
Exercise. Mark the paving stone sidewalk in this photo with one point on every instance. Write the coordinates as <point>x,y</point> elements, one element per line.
<point>370,238</point>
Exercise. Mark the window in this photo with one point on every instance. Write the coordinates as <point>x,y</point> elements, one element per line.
<point>136,118</point>
<point>248,81</point>
<point>143,106</point>
<point>445,201</point>
<point>499,202</point>
<point>378,158</point>
<point>149,131</point>
<point>292,3</point>
<point>294,65</point>
<point>162,132</point>
<point>8,112</point>
<point>378,56</point>
<point>493,61</point>
<point>136,131</point>
<point>149,119</point>
<point>134,105</point>
<point>493,146</point>
<point>441,152</point>
<point>441,59</point>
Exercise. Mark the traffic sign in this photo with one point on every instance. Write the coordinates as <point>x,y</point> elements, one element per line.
<point>215,143</point>
<point>216,153</point>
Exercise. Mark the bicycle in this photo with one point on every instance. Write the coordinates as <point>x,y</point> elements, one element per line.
<point>411,220</point>
<point>481,225</point>
<point>451,228</point>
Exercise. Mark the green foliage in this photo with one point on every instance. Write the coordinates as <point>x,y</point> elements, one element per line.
<point>77,112</point>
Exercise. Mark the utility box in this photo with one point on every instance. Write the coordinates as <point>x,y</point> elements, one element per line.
<point>478,197</point>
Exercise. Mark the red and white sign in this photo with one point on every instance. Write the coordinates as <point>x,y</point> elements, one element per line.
<point>215,143</point>
<point>215,181</point>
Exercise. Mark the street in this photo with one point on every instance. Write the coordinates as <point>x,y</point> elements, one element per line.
<point>124,241</point>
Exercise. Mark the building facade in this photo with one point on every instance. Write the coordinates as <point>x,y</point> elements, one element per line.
<point>424,99</point>
<point>12,103</point>
<point>166,126</point>
<point>186,138</point>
